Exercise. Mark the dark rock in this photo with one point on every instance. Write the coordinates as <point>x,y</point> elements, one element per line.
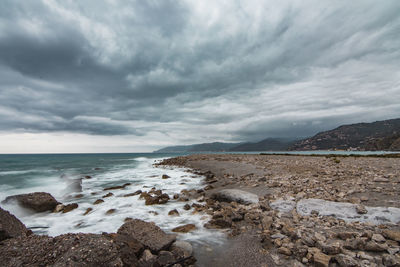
<point>219,223</point>
<point>165,258</point>
<point>129,249</point>
<point>98,202</point>
<point>184,228</point>
<point>117,187</point>
<point>69,207</point>
<point>186,207</point>
<point>38,201</point>
<point>108,195</point>
<point>166,176</point>
<point>346,260</point>
<point>10,226</point>
<point>87,211</point>
<point>150,235</point>
<point>111,211</point>
<point>173,212</point>
<point>64,250</point>
<point>133,194</point>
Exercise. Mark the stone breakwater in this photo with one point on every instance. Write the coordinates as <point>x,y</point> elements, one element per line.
<point>136,243</point>
<point>310,211</point>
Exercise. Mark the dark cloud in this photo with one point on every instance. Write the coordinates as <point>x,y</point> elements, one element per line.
<point>193,72</point>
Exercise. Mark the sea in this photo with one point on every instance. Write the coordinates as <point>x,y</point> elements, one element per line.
<point>63,176</point>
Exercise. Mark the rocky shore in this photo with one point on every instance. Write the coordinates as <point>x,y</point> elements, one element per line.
<point>300,210</point>
<point>276,210</point>
<point>136,243</point>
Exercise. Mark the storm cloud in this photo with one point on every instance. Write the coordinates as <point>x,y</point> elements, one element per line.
<point>179,72</point>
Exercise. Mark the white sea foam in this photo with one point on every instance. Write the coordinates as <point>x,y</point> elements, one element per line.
<point>2,173</point>
<point>142,176</point>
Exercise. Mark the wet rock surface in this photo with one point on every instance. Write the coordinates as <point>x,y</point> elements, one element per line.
<point>38,201</point>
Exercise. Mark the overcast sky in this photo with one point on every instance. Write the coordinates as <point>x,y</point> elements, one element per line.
<point>126,76</point>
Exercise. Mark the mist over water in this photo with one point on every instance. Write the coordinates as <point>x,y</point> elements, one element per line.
<point>60,175</point>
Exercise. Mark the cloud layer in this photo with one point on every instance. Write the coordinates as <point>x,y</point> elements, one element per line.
<point>196,71</point>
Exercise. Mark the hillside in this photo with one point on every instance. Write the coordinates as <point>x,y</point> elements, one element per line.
<point>205,147</point>
<point>379,135</point>
<point>269,144</point>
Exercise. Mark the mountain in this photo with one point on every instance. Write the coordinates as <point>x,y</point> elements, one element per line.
<point>379,135</point>
<point>205,147</point>
<point>269,144</point>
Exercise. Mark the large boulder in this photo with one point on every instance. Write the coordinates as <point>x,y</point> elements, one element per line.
<point>10,226</point>
<point>60,251</point>
<point>38,201</point>
<point>149,234</point>
<point>235,195</point>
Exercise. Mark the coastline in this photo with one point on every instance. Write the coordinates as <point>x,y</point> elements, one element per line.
<point>363,181</point>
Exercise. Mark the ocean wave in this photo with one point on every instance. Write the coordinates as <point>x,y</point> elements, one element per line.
<point>3,173</point>
<point>141,159</point>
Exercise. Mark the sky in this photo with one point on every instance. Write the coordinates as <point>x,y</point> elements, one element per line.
<point>135,76</point>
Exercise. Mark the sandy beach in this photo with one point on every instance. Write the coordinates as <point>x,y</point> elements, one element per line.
<point>289,226</point>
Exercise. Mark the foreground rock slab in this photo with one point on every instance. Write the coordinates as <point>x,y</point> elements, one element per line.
<point>235,195</point>
<point>64,250</point>
<point>149,234</point>
<point>38,201</point>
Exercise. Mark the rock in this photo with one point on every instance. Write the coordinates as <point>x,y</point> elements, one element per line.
<point>129,248</point>
<point>235,195</point>
<point>147,259</point>
<point>375,247</point>
<point>219,223</point>
<point>378,238</point>
<point>60,251</point>
<point>186,207</point>
<point>87,211</point>
<point>38,201</point>
<point>346,261</point>
<point>381,180</point>
<point>166,176</point>
<point>10,226</point>
<point>182,248</point>
<point>117,187</point>
<point>391,260</point>
<point>150,235</point>
<point>108,195</point>
<point>111,211</point>
<point>98,202</point>
<point>393,235</point>
<point>285,251</point>
<point>173,212</point>
<point>165,258</point>
<point>59,208</point>
<point>331,248</point>
<point>321,259</point>
<point>133,194</point>
<point>69,207</point>
<point>184,228</point>
<point>361,209</point>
